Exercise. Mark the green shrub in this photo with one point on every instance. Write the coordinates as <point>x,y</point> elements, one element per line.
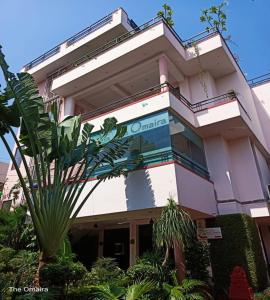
<point>82,293</point>
<point>62,274</point>
<point>17,269</point>
<point>197,260</point>
<point>240,246</point>
<point>149,267</point>
<point>104,270</point>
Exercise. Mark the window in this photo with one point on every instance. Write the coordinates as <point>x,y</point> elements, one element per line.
<point>187,143</point>
<point>150,141</point>
<point>18,159</point>
<point>161,137</point>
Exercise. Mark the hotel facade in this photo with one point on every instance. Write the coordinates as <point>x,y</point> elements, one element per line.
<point>201,127</point>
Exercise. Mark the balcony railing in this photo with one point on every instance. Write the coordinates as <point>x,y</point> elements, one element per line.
<point>259,80</point>
<point>70,41</point>
<point>159,158</point>
<point>115,42</point>
<point>42,58</point>
<point>124,101</point>
<point>155,90</point>
<point>80,35</point>
<point>200,37</point>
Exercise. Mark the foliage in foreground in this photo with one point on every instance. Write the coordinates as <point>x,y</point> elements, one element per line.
<point>173,230</point>
<point>243,248</point>
<point>63,153</point>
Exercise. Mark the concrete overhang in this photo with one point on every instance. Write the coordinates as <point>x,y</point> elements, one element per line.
<point>68,52</point>
<point>150,42</point>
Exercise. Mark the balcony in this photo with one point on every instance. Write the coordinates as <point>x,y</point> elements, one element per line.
<point>159,89</point>
<point>93,36</point>
<point>142,44</point>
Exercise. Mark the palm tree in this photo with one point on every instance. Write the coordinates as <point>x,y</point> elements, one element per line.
<point>65,155</point>
<point>173,229</point>
<point>190,289</point>
<point>136,291</point>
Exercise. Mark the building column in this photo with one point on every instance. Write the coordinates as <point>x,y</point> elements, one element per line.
<point>133,243</point>
<point>163,71</point>
<point>69,107</point>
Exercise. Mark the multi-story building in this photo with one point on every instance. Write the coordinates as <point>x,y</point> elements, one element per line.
<point>202,129</point>
<point>3,175</point>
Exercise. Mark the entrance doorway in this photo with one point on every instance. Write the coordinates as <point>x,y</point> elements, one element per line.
<point>116,245</point>
<point>145,238</point>
<point>86,249</point>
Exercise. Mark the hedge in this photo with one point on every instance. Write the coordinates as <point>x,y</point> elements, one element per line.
<point>240,246</point>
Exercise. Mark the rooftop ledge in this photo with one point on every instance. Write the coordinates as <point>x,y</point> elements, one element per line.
<point>60,51</point>
<point>113,24</point>
<point>52,56</point>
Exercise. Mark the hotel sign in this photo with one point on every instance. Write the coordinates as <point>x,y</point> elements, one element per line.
<point>140,125</point>
<point>212,233</point>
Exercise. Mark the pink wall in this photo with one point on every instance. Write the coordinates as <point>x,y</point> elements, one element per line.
<point>220,168</point>
<point>202,86</point>
<point>245,170</point>
<point>195,192</point>
<point>236,82</point>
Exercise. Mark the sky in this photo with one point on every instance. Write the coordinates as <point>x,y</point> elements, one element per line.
<point>29,28</point>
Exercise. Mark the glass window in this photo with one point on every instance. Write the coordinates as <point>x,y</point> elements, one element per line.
<point>186,142</point>
<point>155,136</point>
<point>148,141</point>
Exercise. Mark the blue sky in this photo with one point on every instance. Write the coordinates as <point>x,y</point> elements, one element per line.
<point>30,27</point>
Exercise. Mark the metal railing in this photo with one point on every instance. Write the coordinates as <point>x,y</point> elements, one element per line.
<point>80,35</point>
<point>196,107</point>
<point>195,167</point>
<point>259,80</point>
<point>150,159</point>
<point>208,103</point>
<point>124,101</point>
<point>200,37</point>
<point>42,58</point>
<point>70,41</point>
<point>116,41</point>
<point>212,102</point>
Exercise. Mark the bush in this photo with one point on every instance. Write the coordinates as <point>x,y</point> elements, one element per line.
<point>104,270</point>
<point>82,293</point>
<point>197,260</point>
<point>17,269</point>
<point>62,274</point>
<point>148,267</point>
<point>240,246</point>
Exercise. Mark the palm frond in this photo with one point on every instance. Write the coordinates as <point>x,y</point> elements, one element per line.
<point>139,289</point>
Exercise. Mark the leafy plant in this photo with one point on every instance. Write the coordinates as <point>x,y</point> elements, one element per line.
<point>197,259</point>
<point>63,153</point>
<point>215,17</point>
<point>17,269</point>
<point>112,292</point>
<point>105,269</point>
<point>61,274</point>
<point>166,13</point>
<point>174,229</point>
<point>190,289</point>
<point>241,240</point>
<point>14,232</point>
<point>149,267</point>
